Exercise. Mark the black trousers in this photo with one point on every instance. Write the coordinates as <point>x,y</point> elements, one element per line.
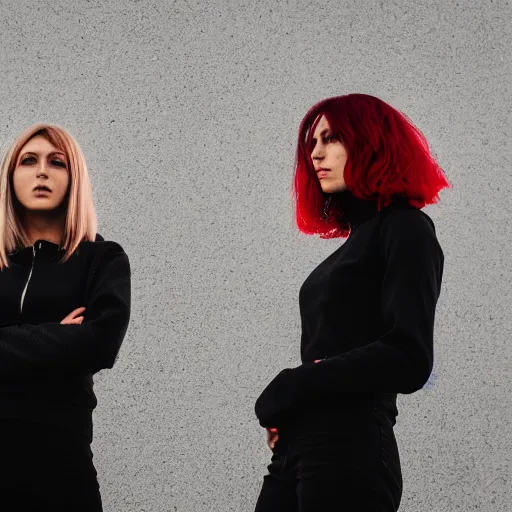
<point>45,469</point>
<point>340,464</point>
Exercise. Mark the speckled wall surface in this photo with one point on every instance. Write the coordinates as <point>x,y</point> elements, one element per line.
<point>187,112</point>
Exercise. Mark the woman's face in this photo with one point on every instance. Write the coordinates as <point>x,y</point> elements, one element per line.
<point>41,164</point>
<point>329,158</point>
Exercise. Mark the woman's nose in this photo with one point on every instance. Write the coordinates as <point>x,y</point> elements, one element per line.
<point>316,154</point>
<point>41,169</point>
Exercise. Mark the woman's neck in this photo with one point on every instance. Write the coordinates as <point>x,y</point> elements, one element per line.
<point>44,227</point>
<point>355,210</point>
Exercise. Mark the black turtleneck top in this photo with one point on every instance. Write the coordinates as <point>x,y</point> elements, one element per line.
<point>367,312</point>
<point>46,368</point>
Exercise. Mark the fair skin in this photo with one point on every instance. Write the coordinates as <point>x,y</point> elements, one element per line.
<point>329,158</point>
<point>43,212</point>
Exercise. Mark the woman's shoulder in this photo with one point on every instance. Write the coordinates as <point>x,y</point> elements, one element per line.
<point>408,219</point>
<point>106,258</point>
<point>104,248</point>
<point>408,225</point>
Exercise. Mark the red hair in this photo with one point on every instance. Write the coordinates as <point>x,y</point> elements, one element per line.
<point>387,156</point>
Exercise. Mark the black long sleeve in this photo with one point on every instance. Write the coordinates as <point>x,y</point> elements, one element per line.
<point>392,268</point>
<point>87,348</point>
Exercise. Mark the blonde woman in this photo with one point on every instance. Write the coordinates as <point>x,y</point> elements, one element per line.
<point>64,311</point>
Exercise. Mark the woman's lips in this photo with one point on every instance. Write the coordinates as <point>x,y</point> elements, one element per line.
<point>40,192</point>
<point>322,174</point>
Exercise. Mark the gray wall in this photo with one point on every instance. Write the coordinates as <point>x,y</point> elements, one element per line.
<point>187,112</point>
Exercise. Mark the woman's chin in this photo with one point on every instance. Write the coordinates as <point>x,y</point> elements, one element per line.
<point>333,188</point>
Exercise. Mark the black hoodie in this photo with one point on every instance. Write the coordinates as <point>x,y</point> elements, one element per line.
<point>46,368</point>
<point>367,312</point>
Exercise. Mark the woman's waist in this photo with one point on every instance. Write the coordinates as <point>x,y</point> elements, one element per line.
<point>348,412</point>
<point>75,390</point>
<point>72,418</point>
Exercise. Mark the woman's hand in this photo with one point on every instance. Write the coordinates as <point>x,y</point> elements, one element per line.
<point>74,317</point>
<point>272,433</point>
<point>272,437</point>
<point>284,392</point>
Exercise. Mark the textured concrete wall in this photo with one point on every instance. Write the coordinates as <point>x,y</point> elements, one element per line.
<point>187,112</point>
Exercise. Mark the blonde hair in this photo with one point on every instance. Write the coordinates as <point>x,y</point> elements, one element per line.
<point>81,222</point>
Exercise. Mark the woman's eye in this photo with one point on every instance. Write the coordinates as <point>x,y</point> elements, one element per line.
<point>28,160</point>
<point>58,163</point>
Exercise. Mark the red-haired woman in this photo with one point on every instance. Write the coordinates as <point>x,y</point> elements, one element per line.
<point>363,171</point>
<point>64,311</point>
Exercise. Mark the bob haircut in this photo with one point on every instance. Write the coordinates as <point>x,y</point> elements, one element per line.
<point>81,221</point>
<point>387,156</point>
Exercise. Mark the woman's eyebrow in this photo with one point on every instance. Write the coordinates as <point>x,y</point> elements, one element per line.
<point>60,153</point>
<point>323,132</point>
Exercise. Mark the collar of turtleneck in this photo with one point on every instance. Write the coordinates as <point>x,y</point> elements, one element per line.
<point>355,211</point>
<point>43,248</point>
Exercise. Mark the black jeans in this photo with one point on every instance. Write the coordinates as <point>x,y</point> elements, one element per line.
<point>43,468</point>
<point>334,465</point>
